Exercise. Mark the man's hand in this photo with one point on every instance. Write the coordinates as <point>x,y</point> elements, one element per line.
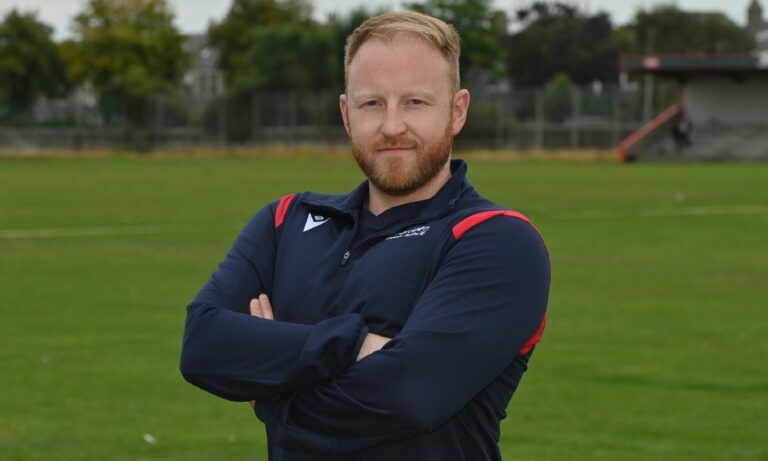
<point>371,344</point>
<point>262,308</point>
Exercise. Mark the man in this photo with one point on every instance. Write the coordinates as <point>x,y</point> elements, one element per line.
<point>394,322</point>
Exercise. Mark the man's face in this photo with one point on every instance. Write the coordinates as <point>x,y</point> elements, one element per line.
<point>401,114</point>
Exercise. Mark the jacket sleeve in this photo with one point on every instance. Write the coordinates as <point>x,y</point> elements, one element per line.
<point>486,301</point>
<point>229,353</point>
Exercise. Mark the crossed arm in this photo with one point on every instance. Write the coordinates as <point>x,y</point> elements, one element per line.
<point>486,300</point>
<point>240,357</point>
<point>261,307</point>
<point>484,304</point>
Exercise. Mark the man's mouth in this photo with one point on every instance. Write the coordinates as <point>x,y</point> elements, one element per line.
<point>392,149</point>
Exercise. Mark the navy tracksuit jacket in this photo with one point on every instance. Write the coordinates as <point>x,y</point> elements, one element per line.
<point>459,284</point>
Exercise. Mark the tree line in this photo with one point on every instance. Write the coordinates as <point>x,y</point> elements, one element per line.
<point>125,51</point>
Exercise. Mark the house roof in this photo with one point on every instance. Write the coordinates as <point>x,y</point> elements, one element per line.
<point>683,64</point>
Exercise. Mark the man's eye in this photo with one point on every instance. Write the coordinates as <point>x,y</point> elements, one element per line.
<point>372,103</point>
<point>416,102</point>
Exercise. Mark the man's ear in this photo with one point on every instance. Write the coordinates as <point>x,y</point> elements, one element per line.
<point>460,109</point>
<point>343,105</point>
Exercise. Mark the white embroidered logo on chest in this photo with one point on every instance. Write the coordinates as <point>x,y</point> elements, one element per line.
<point>415,232</point>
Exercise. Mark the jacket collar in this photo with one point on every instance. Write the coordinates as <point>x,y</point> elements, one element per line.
<point>353,202</point>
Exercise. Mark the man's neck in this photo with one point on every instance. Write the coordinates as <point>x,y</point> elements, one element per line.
<point>379,201</point>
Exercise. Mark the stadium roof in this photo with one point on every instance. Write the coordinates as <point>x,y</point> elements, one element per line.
<point>682,64</point>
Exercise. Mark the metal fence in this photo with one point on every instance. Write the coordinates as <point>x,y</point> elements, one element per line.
<point>555,117</point>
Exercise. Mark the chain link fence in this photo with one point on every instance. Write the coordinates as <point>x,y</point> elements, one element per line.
<point>555,117</point>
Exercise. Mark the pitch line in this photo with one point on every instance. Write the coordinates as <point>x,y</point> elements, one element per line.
<point>102,231</point>
<point>663,212</point>
<point>156,229</point>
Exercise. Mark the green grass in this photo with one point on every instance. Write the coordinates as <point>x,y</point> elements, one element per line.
<point>655,348</point>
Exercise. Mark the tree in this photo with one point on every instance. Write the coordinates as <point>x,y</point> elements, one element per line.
<point>129,50</point>
<point>285,57</point>
<point>558,39</point>
<point>478,26</point>
<point>270,46</point>
<point>30,65</point>
<point>342,28</point>
<point>266,30</point>
<point>667,29</point>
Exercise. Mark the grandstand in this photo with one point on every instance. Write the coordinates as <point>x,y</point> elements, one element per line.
<point>721,114</point>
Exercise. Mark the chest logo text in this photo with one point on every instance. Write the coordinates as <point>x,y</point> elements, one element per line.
<point>415,232</point>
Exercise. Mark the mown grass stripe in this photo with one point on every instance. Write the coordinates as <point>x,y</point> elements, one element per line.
<point>104,231</point>
<point>149,229</point>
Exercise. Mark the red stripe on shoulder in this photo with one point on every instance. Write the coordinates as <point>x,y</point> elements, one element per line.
<point>535,338</point>
<point>282,208</point>
<point>478,218</point>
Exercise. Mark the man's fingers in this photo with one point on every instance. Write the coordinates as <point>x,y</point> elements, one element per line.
<point>266,307</point>
<point>256,308</point>
<point>371,344</point>
<point>261,307</point>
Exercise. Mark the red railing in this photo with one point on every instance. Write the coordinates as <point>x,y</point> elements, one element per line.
<point>646,130</point>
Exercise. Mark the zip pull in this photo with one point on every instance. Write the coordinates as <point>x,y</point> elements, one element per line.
<point>345,258</point>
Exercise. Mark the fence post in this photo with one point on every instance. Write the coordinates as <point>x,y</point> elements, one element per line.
<point>648,98</point>
<point>159,115</point>
<point>575,115</point>
<point>293,115</point>
<point>616,116</point>
<point>255,118</point>
<point>222,138</point>
<point>499,119</point>
<point>539,126</point>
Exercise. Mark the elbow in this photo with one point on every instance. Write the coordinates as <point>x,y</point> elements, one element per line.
<point>190,363</point>
<point>195,361</point>
<point>198,369</point>
<point>204,356</point>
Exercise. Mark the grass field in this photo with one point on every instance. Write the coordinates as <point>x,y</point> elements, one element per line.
<point>655,350</point>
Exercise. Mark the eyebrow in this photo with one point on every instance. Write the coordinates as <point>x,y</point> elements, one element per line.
<point>421,94</point>
<point>363,95</point>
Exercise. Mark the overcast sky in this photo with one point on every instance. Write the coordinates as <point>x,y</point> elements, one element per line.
<point>193,15</point>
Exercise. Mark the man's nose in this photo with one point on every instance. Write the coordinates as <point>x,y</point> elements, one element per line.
<point>394,124</point>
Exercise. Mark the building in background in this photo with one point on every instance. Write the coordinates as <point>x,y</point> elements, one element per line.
<point>757,25</point>
<point>203,82</point>
<point>721,113</point>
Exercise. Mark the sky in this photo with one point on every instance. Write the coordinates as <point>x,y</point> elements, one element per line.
<point>194,15</point>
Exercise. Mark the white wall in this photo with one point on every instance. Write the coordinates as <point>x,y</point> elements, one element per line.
<point>723,99</point>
